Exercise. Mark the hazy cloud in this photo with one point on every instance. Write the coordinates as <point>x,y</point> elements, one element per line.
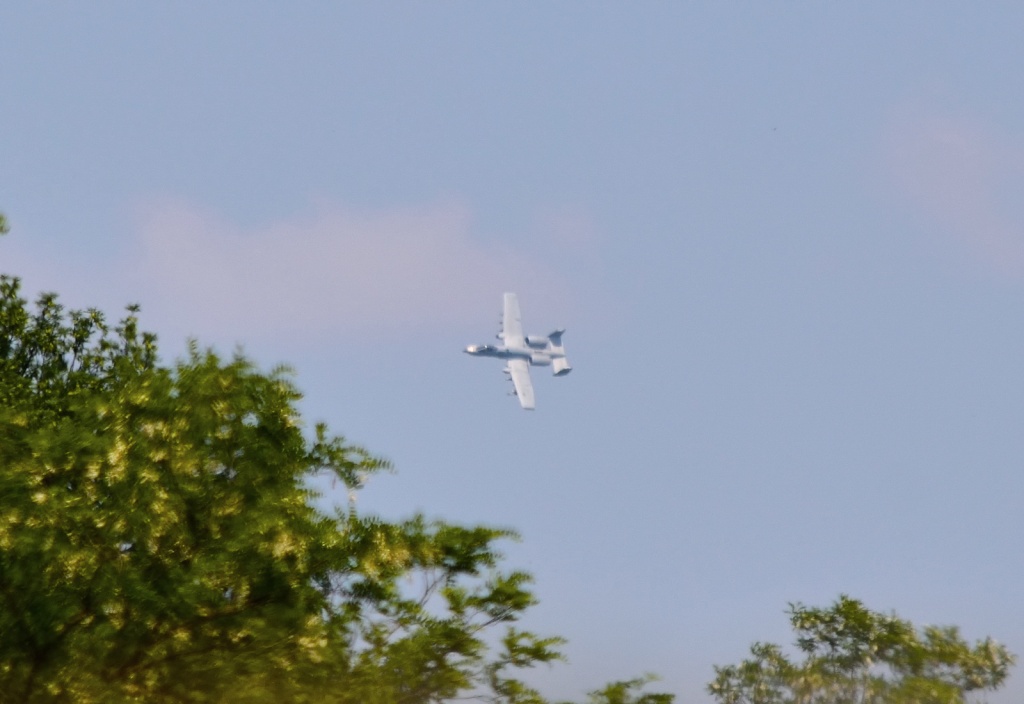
<point>965,179</point>
<point>381,273</point>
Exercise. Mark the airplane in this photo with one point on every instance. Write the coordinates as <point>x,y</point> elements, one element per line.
<point>520,351</point>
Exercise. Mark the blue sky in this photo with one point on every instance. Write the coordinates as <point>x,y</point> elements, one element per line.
<point>786,240</point>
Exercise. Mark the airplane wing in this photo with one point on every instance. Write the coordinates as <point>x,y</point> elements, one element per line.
<point>519,370</point>
<point>512,325</point>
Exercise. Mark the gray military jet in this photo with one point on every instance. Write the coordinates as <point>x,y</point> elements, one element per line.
<point>520,351</point>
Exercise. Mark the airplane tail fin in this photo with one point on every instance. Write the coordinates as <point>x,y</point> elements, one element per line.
<point>559,364</point>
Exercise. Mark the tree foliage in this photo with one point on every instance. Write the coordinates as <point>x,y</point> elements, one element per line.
<point>159,540</point>
<point>629,692</point>
<point>856,656</point>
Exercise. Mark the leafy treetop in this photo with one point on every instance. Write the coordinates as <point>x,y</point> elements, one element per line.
<point>158,540</point>
<point>856,656</point>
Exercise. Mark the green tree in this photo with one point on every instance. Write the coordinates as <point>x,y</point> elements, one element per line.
<point>852,655</point>
<point>159,541</point>
<point>629,692</point>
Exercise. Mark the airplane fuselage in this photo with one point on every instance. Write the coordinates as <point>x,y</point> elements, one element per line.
<point>537,358</point>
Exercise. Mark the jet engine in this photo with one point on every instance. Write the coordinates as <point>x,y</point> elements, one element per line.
<point>540,360</point>
<point>560,366</point>
<point>537,342</point>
